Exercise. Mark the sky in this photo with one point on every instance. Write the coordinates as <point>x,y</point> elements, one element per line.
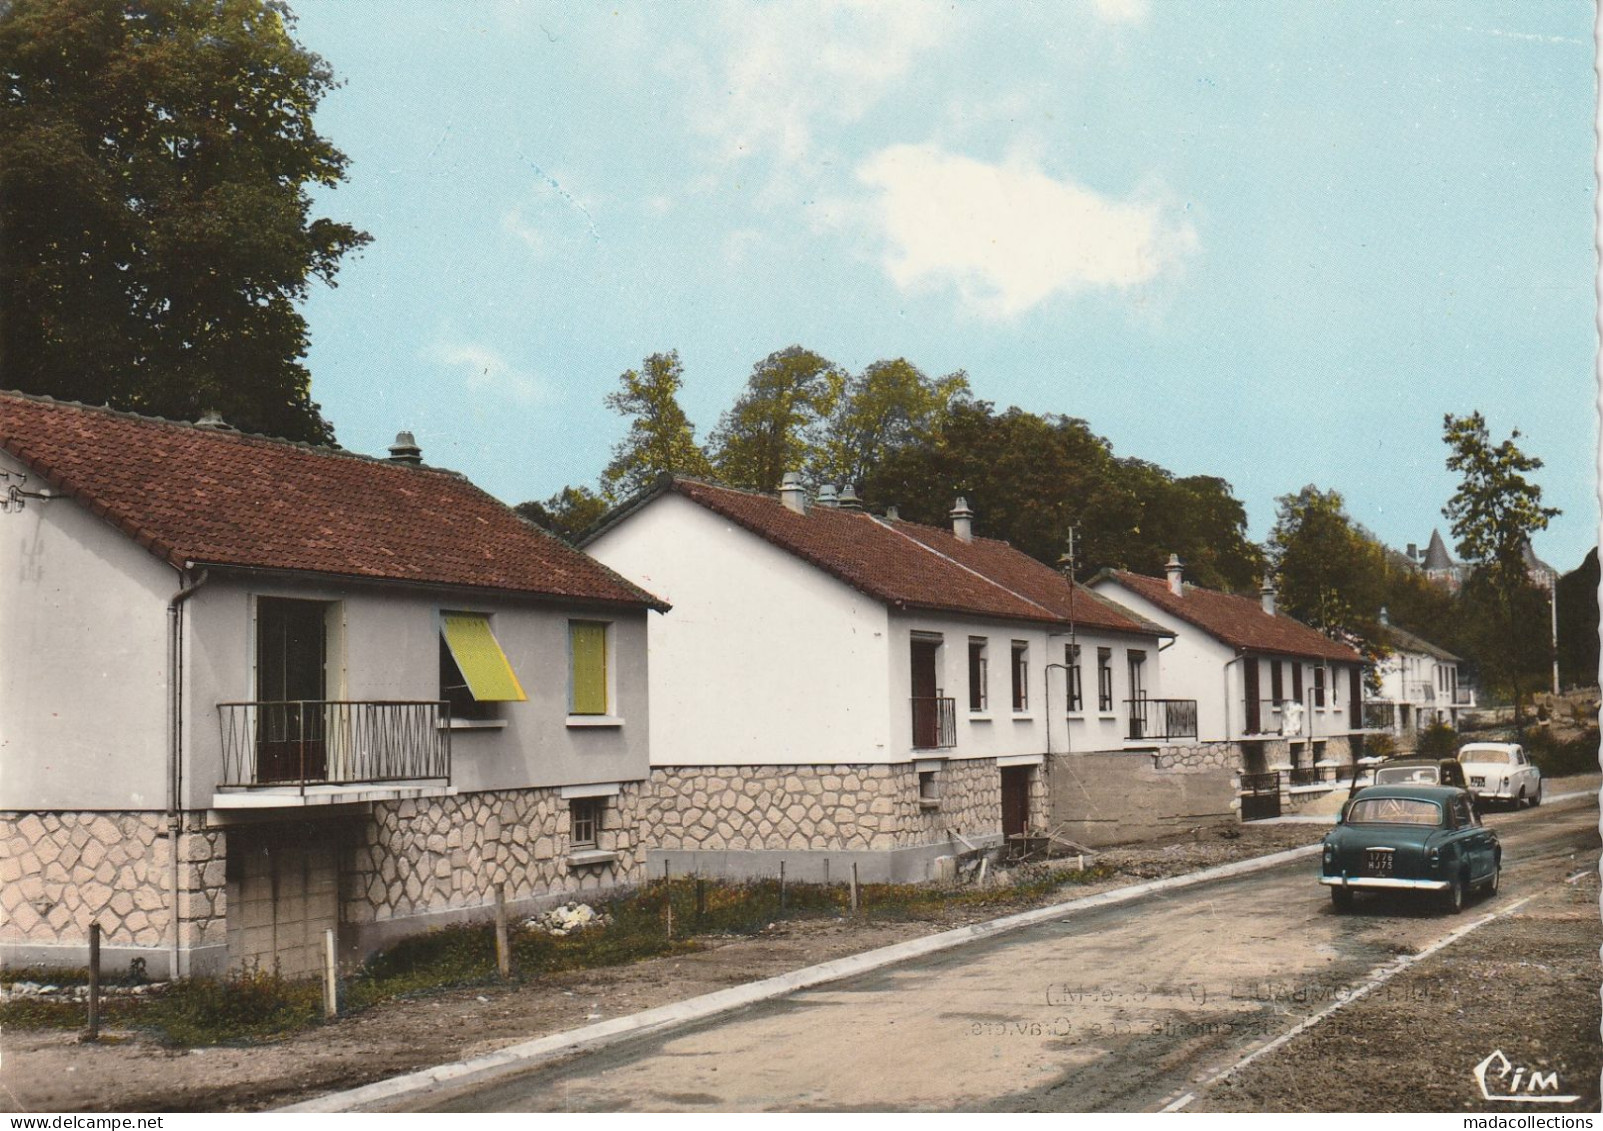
<point>1275,243</point>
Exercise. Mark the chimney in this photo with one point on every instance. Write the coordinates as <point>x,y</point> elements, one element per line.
<point>792,493</point>
<point>1413,551</point>
<point>826,496</point>
<point>1176,575</point>
<point>213,421</point>
<point>849,500</point>
<point>962,520</point>
<point>1385,618</point>
<point>892,513</point>
<point>1268,593</point>
<point>405,450</point>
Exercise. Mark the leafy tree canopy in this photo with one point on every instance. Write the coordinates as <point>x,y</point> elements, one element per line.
<point>886,408</point>
<point>661,439</point>
<point>1330,572</point>
<point>778,423</point>
<point>568,513</point>
<point>155,224</point>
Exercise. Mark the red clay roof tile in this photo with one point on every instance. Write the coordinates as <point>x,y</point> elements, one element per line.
<point>208,497</point>
<point>1238,621</point>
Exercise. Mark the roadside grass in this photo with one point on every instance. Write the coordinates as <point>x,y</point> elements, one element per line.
<point>1560,757</point>
<point>261,1005</point>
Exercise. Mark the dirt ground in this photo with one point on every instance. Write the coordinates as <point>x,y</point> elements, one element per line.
<point>52,1071</point>
<point>1525,985</point>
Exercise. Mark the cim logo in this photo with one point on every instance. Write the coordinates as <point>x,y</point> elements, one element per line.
<point>1502,1082</point>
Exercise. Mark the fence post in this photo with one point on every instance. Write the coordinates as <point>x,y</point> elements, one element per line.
<point>782,885</point>
<point>503,952</point>
<point>854,887</point>
<point>701,897</point>
<point>94,982</point>
<point>331,1005</point>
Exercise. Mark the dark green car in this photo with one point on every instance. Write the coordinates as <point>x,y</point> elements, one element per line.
<point>1423,838</point>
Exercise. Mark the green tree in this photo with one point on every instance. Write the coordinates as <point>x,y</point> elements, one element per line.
<point>1577,623</point>
<point>886,408</point>
<point>661,439</point>
<point>1494,513</point>
<point>777,424</point>
<point>567,514</point>
<point>1329,571</point>
<point>156,232</point>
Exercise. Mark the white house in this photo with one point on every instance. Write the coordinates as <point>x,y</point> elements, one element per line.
<point>1288,696</point>
<point>252,690</point>
<point>835,687</point>
<point>1418,684</point>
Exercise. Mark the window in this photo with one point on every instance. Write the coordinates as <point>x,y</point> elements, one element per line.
<point>929,790</point>
<point>585,821</point>
<point>1071,660</point>
<point>1104,679</point>
<point>1277,685</point>
<point>978,674</point>
<point>1021,676</point>
<point>475,675</point>
<point>1138,679</point>
<point>587,653</point>
<point>1319,686</point>
<point>1296,680</point>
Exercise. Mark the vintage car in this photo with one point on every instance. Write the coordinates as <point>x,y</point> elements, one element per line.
<point>1501,771</point>
<point>1420,771</point>
<point>1423,838</point>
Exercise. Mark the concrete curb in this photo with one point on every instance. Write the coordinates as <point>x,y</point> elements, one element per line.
<point>530,1054</point>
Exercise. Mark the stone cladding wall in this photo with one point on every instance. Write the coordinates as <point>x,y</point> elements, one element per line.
<point>828,807</point>
<point>1198,756</point>
<point>61,871</point>
<point>415,857</point>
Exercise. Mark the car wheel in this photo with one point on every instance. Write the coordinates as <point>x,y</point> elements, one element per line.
<point>1491,884</point>
<point>1453,897</point>
<point>1537,800</point>
<point>1341,899</point>
<point>1520,802</point>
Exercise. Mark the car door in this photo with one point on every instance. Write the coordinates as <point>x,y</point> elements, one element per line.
<point>1476,840</point>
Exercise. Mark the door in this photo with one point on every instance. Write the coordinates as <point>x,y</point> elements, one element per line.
<point>1249,685</point>
<point>926,695</point>
<point>1015,800</point>
<point>1138,693</point>
<point>1260,796</point>
<point>283,895</point>
<point>291,644</point>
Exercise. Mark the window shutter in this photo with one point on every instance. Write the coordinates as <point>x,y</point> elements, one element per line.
<point>588,641</point>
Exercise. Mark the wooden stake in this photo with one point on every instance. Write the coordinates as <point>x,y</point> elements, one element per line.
<point>94,982</point>
<point>782,885</point>
<point>701,897</point>
<point>503,951</point>
<point>331,1005</point>
<point>854,887</point>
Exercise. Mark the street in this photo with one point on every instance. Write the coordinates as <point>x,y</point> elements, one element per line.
<point>1113,1009</point>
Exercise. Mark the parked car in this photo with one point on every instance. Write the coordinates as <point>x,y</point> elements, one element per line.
<point>1421,838</point>
<point>1420,771</point>
<point>1501,771</point>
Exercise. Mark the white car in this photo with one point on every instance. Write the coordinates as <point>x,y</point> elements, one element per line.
<point>1501,771</point>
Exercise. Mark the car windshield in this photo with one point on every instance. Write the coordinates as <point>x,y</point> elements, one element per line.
<point>1391,775</point>
<point>1394,811</point>
<point>1495,757</point>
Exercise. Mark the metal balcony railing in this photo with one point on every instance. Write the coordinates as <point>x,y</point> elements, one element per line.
<point>1276,716</point>
<point>1161,718</point>
<point>1419,690</point>
<point>1304,775</point>
<point>334,742</point>
<point>1380,716</point>
<point>1463,696</point>
<point>934,723</point>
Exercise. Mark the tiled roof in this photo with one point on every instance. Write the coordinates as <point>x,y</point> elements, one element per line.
<point>910,566</point>
<point>1405,641</point>
<point>1238,621</point>
<point>201,496</point>
<point>1436,556</point>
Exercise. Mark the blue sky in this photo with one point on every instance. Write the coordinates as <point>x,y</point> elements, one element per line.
<point>1270,242</point>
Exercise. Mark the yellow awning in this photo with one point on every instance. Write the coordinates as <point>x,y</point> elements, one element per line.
<point>473,646</point>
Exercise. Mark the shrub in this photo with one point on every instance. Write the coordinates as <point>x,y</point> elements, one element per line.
<point>1557,757</point>
<point>1438,741</point>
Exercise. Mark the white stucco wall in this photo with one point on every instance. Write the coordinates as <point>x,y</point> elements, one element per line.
<point>763,659</point>
<point>390,651</point>
<point>82,660</point>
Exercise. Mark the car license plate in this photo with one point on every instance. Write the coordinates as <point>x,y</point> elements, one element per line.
<point>1477,781</point>
<point>1378,862</point>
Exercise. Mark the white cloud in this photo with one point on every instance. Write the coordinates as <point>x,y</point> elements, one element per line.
<point>788,67</point>
<point>1122,11</point>
<point>513,223</point>
<point>1008,236</point>
<point>483,370</point>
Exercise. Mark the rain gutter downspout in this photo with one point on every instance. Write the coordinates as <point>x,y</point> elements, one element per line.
<point>1232,660</point>
<point>175,702</point>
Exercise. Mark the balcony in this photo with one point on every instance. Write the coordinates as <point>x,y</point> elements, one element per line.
<point>934,723</point>
<point>1152,719</point>
<point>1419,691</point>
<point>331,749</point>
<point>1275,716</point>
<point>1463,696</point>
<point>1380,716</point>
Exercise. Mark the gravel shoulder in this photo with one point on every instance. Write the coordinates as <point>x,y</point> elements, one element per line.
<point>52,1071</point>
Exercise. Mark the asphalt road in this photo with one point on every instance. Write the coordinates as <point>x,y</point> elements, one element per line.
<point>1112,1009</point>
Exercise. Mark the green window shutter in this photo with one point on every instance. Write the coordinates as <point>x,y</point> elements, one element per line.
<point>479,657</point>
<point>587,641</point>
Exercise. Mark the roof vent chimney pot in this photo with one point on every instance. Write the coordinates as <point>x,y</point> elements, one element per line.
<point>1176,574</point>
<point>792,493</point>
<point>1385,617</point>
<point>405,450</point>
<point>962,520</point>
<point>213,420</point>
<point>826,495</point>
<point>892,513</point>
<point>1267,593</point>
<point>849,500</point>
